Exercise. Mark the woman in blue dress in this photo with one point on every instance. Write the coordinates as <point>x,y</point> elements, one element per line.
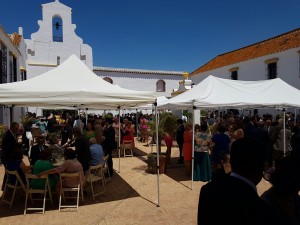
<point>203,144</point>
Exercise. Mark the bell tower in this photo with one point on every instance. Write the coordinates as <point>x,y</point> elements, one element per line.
<point>55,40</point>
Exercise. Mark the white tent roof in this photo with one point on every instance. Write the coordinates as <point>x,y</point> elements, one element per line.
<point>215,92</point>
<point>160,100</point>
<point>72,84</point>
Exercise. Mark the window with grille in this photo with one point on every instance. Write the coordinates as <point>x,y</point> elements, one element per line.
<point>3,64</point>
<point>11,74</point>
<point>15,77</point>
<point>13,68</point>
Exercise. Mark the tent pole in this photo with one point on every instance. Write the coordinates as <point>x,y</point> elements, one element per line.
<point>86,116</point>
<point>136,123</point>
<point>295,117</point>
<point>157,152</point>
<point>193,147</point>
<point>284,136</point>
<point>119,140</point>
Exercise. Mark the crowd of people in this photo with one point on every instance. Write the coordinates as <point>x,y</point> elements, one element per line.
<point>243,151</point>
<point>76,142</point>
<point>214,136</point>
<point>232,154</point>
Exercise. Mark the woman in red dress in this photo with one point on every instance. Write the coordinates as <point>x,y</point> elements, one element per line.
<point>187,148</point>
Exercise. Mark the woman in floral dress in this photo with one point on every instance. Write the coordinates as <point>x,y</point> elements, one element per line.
<point>203,143</point>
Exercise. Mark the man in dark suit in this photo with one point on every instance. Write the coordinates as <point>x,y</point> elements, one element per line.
<point>234,199</point>
<point>82,148</point>
<point>36,150</point>
<point>9,144</point>
<point>250,125</point>
<point>262,135</point>
<point>9,141</point>
<point>109,144</point>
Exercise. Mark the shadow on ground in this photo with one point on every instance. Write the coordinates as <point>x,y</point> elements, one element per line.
<point>115,185</point>
<point>174,170</point>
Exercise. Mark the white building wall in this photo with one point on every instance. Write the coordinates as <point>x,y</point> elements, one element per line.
<point>9,114</point>
<point>255,69</point>
<point>143,82</point>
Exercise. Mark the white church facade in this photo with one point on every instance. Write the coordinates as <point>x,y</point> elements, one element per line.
<point>55,41</point>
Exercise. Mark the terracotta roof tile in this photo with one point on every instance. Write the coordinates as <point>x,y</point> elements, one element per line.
<point>137,71</point>
<point>279,43</point>
<point>15,38</point>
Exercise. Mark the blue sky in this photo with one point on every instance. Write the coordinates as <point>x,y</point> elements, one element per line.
<point>178,35</point>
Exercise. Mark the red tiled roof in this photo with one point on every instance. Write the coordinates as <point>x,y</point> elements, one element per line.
<point>15,38</point>
<point>279,43</point>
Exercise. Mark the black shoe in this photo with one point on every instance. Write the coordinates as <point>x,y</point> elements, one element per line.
<point>85,193</point>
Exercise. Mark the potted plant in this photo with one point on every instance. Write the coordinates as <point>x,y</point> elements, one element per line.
<point>166,126</point>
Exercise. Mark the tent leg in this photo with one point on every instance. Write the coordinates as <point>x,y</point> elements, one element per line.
<point>119,140</point>
<point>193,148</point>
<point>157,155</point>
<point>284,134</point>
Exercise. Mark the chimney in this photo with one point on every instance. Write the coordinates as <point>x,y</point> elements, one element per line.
<point>20,31</point>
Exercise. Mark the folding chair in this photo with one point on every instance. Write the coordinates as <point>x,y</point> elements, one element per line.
<point>127,146</point>
<point>10,175</point>
<point>63,190</point>
<point>105,169</point>
<point>31,191</point>
<point>95,174</point>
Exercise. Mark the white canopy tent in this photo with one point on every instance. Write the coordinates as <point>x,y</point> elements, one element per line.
<point>214,93</point>
<point>71,85</point>
<point>160,100</point>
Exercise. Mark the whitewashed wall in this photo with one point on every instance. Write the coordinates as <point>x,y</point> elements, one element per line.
<point>142,82</point>
<point>255,69</point>
<point>5,112</point>
<point>44,51</point>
